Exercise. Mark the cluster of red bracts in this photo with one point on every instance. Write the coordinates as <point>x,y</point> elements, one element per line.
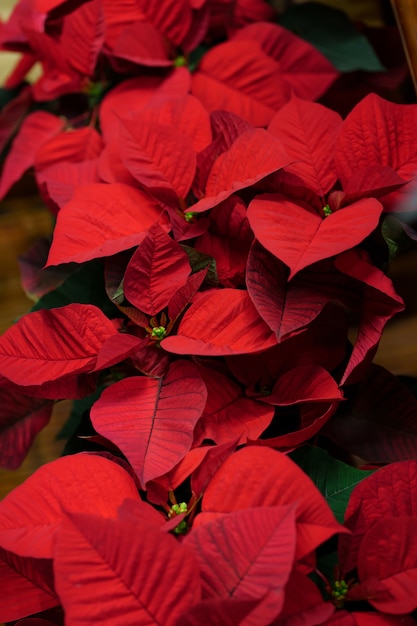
<point>236,227</point>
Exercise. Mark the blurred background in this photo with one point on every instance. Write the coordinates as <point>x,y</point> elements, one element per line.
<point>23,219</point>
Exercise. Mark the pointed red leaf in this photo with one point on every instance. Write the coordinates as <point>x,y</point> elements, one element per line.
<point>12,114</point>
<point>21,418</point>
<point>222,612</point>
<point>82,36</point>
<point>301,66</point>
<point>117,348</point>
<point>157,269</point>
<point>247,554</point>
<point>49,344</point>
<point>185,294</point>
<point>220,322</point>
<point>152,420</point>
<point>306,383</point>
<point>253,155</point>
<point>142,574</point>
<point>384,122</point>
<point>172,18</point>
<point>238,77</point>
<point>27,586</point>
<point>228,414</point>
<point>140,42</point>
<point>299,237</point>
<point>388,553</point>
<point>307,607</point>
<point>31,513</point>
<point>256,476</point>
<point>101,220</point>
<point>37,128</point>
<point>389,492</point>
<point>158,156</point>
<point>35,280</point>
<point>308,132</point>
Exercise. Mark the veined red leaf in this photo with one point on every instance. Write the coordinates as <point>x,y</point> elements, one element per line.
<point>172,18</point>
<point>141,43</point>
<point>101,220</point>
<point>21,418</point>
<point>58,182</point>
<point>131,96</point>
<point>37,128</point>
<point>389,492</point>
<point>306,383</point>
<point>299,237</point>
<point>117,348</point>
<point>48,344</point>
<point>76,146</point>
<point>303,68</point>
<point>214,458</point>
<point>253,155</point>
<point>379,619</point>
<point>27,586</point>
<point>308,132</point>
<point>159,157</point>
<point>186,114</point>
<point>220,322</point>
<point>156,271</point>
<point>238,77</point>
<point>257,476</point>
<point>82,36</point>
<point>185,294</point>
<point>152,420</point>
<point>31,513</point>
<point>385,121</point>
<point>247,554</point>
<point>388,554</point>
<point>143,572</point>
<point>228,414</point>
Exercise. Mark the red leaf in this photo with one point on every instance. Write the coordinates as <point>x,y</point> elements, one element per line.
<point>27,586</point>
<point>389,492</point>
<point>301,66</point>
<point>303,608</point>
<point>37,128</point>
<point>238,77</point>
<point>101,220</point>
<point>157,269</point>
<point>21,418</point>
<point>49,344</point>
<point>140,580</point>
<point>31,513</point>
<point>117,348</point>
<point>277,222</point>
<point>256,476</point>
<point>222,612</point>
<point>308,132</point>
<point>253,155</point>
<point>12,114</point>
<point>220,322</point>
<point>35,280</point>
<point>388,554</point>
<point>172,18</point>
<point>185,294</point>
<point>384,122</point>
<point>133,95</point>
<point>141,43</point>
<point>228,415</point>
<point>159,157</point>
<point>76,146</point>
<point>152,420</point>
<point>247,554</point>
<point>306,383</point>
<point>82,36</point>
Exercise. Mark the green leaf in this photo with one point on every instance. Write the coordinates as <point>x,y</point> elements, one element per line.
<point>85,286</point>
<point>333,34</point>
<point>334,479</point>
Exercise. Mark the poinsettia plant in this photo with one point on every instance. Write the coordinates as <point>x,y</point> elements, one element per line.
<point>211,300</point>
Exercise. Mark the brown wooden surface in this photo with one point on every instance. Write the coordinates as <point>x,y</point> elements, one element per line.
<point>406,16</point>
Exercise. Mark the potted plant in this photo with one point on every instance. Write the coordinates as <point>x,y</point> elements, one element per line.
<point>211,299</point>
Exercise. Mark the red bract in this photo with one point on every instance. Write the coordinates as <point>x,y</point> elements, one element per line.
<point>157,415</point>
